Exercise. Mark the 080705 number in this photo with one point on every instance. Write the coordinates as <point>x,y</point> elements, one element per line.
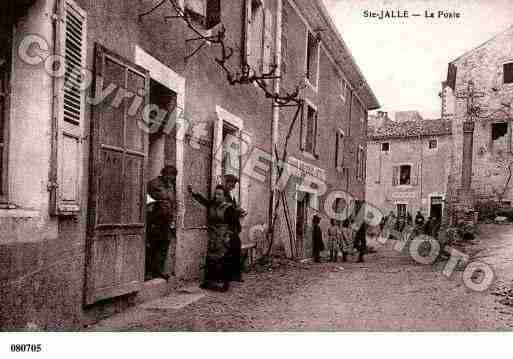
<point>24,348</point>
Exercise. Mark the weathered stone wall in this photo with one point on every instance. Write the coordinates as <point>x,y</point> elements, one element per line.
<point>484,66</point>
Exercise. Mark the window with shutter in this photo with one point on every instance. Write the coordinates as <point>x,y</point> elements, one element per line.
<point>258,36</point>
<point>204,12</point>
<point>69,108</point>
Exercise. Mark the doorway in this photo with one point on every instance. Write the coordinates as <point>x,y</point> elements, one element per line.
<point>301,221</point>
<point>436,207</point>
<point>160,137</point>
<point>231,156</point>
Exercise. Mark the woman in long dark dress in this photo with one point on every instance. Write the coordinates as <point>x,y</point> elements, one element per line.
<point>317,243</point>
<point>222,219</point>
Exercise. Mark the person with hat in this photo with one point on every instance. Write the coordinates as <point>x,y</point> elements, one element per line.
<point>229,183</point>
<point>161,219</point>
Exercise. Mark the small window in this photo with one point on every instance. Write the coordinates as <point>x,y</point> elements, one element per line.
<point>405,175</point>
<point>433,144</point>
<point>312,58</point>
<point>508,73</point>
<point>499,134</point>
<point>206,12</point>
<point>385,147</point>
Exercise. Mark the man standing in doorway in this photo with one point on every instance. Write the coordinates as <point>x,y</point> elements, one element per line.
<point>230,182</point>
<point>162,219</point>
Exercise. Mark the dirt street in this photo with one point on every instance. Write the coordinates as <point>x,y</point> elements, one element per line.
<point>387,292</point>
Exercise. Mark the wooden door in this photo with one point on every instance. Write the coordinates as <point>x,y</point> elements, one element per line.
<point>119,146</point>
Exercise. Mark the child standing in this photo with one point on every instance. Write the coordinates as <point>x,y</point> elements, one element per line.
<point>347,239</point>
<point>334,235</point>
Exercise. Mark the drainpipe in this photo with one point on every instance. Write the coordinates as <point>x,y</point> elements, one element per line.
<point>275,113</point>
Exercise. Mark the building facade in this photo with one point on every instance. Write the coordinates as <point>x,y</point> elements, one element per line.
<point>97,96</point>
<point>407,166</point>
<point>489,68</point>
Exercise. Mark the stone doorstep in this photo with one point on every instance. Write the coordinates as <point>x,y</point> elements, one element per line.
<point>151,290</point>
<point>156,288</point>
<point>177,299</point>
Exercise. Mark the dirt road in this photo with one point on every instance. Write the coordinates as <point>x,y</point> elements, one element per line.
<point>387,292</point>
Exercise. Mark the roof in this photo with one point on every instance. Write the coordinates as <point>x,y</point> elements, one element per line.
<point>318,17</point>
<point>510,28</point>
<point>392,129</point>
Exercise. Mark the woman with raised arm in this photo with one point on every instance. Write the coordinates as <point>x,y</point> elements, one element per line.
<point>222,219</point>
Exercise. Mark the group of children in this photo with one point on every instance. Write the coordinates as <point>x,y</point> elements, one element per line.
<point>341,238</point>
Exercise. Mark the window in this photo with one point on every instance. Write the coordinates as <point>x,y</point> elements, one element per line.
<point>259,36</point>
<point>433,144</point>
<point>385,147</point>
<point>5,61</point>
<point>310,131</point>
<point>339,149</point>
<point>312,58</point>
<point>500,136</point>
<point>206,12</point>
<point>360,164</point>
<point>405,175</point>
<point>508,73</point>
<point>401,210</point>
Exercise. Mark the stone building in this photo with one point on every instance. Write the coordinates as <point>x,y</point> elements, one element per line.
<point>407,165</point>
<point>96,98</point>
<point>489,68</point>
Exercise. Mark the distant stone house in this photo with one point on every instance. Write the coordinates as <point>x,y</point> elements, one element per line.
<point>407,166</point>
<point>90,94</point>
<point>490,68</point>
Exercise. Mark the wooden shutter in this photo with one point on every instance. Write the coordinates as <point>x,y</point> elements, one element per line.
<point>284,40</point>
<point>245,181</point>
<point>69,109</point>
<point>267,58</point>
<point>246,54</point>
<point>395,175</point>
<point>213,16</point>
<point>217,153</point>
<point>302,130</point>
<point>119,154</point>
<point>316,119</point>
<point>415,172</point>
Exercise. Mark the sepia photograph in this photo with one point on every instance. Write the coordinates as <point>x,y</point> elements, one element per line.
<point>309,166</point>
